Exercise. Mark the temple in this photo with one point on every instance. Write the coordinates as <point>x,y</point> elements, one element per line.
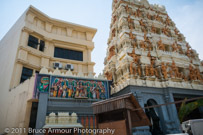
<point>48,79</point>
<point>147,55</point>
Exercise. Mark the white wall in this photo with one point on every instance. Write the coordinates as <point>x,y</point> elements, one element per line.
<point>18,109</point>
<point>8,50</point>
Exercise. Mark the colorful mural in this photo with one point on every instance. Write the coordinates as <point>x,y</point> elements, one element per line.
<point>44,84</point>
<point>41,85</point>
<point>77,88</point>
<point>62,87</point>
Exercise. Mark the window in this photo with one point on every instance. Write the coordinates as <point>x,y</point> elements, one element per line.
<point>34,42</point>
<point>26,74</point>
<point>68,54</point>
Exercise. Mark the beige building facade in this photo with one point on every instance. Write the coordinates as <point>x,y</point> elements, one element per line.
<point>38,41</point>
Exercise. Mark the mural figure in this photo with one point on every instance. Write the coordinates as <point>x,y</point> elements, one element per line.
<point>75,88</point>
<point>44,84</point>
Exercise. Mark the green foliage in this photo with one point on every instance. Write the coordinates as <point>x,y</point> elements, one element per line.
<point>186,109</point>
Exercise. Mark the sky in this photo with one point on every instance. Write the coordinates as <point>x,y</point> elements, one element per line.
<point>187,15</point>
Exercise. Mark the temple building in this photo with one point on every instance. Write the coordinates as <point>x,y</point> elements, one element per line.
<point>40,54</point>
<point>148,56</point>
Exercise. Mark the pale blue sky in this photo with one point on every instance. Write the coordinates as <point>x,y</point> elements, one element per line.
<point>187,14</point>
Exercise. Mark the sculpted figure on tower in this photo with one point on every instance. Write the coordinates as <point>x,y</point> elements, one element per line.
<point>164,70</point>
<point>161,45</point>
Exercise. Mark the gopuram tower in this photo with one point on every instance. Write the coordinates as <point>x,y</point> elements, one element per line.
<point>148,56</point>
<point>146,49</point>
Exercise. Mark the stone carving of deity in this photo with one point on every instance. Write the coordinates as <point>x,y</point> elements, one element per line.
<point>160,45</point>
<point>176,32</point>
<point>147,71</point>
<point>142,23</point>
<point>131,35</point>
<point>131,68</point>
<point>151,70</point>
<point>108,76</point>
<point>168,21</point>
<point>164,70</point>
<point>158,18</point>
<point>153,29</point>
<point>139,70</point>
<point>143,45</point>
<point>165,30</point>
<point>149,16</point>
<point>174,47</point>
<point>139,13</point>
<point>175,69</point>
<point>129,19</point>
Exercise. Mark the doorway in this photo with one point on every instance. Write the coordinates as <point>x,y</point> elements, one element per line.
<point>33,116</point>
<point>154,116</point>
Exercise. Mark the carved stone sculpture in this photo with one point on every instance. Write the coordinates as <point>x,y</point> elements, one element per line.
<point>153,29</point>
<point>135,14</point>
<point>156,72</point>
<point>158,18</point>
<point>171,73</point>
<point>175,69</point>
<point>176,32</point>
<point>147,71</point>
<point>111,52</point>
<point>160,45</point>
<point>165,30</point>
<point>139,70</point>
<point>131,35</point>
<point>174,47</point>
<point>129,19</point>
<point>142,23</point>
<point>164,70</point>
<point>143,45</point>
<point>131,68</point>
<point>108,76</point>
<point>146,39</point>
<point>139,13</point>
<point>149,55</point>
<point>135,71</point>
<point>149,16</point>
<point>127,8</point>
<point>151,70</point>
<point>134,56</point>
<point>168,21</point>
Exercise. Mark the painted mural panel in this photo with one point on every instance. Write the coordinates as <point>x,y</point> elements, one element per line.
<point>41,85</point>
<point>69,88</point>
<point>78,88</point>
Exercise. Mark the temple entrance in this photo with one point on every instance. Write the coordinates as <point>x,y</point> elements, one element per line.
<point>154,116</point>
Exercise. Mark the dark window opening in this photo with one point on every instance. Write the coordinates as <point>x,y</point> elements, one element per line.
<point>68,54</point>
<point>37,72</point>
<point>41,47</point>
<point>33,42</point>
<point>33,116</point>
<point>26,74</point>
